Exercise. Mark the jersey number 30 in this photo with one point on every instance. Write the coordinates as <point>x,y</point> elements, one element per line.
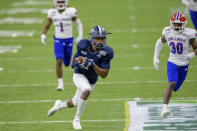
<point>176,47</point>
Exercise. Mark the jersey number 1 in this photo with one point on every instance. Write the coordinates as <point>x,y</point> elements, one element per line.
<point>176,47</point>
<point>61,26</point>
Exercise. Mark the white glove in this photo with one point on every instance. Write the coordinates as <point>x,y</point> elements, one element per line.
<point>156,63</point>
<point>43,37</point>
<point>189,56</point>
<point>77,39</point>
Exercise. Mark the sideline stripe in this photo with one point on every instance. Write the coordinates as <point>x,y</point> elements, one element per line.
<point>178,99</point>
<point>127,121</point>
<point>68,121</point>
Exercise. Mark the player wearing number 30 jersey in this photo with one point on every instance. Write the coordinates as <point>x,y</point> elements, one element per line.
<point>62,18</point>
<point>179,39</point>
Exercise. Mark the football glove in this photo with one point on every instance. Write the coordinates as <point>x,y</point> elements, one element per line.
<point>76,65</point>
<point>88,63</point>
<point>156,63</point>
<point>189,56</point>
<point>77,39</point>
<point>43,37</point>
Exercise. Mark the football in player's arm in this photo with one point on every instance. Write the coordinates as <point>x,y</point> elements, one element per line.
<point>62,18</point>
<point>91,60</point>
<point>179,39</point>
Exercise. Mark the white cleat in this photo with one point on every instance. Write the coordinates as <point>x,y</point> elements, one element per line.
<point>54,108</point>
<point>60,87</point>
<point>76,124</point>
<point>165,113</point>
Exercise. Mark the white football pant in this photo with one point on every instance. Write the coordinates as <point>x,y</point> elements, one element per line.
<point>82,84</point>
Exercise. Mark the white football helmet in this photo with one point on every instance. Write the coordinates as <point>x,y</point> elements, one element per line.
<point>61,4</point>
<point>178,22</point>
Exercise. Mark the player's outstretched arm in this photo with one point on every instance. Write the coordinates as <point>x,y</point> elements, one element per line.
<point>191,55</point>
<point>158,47</point>
<point>194,45</point>
<point>79,28</point>
<point>100,71</point>
<point>45,30</point>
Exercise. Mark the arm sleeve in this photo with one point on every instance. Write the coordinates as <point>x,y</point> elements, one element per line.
<point>73,12</point>
<point>158,48</point>
<point>49,14</point>
<point>79,28</point>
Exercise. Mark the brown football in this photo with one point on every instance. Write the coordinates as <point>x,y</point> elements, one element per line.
<point>79,59</point>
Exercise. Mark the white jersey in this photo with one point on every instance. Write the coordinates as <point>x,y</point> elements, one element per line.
<point>63,21</point>
<point>179,44</point>
<point>191,4</point>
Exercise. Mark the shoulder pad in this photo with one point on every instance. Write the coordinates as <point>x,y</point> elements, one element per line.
<point>108,49</point>
<point>84,43</point>
<point>166,30</point>
<point>51,12</point>
<point>72,11</point>
<point>191,33</point>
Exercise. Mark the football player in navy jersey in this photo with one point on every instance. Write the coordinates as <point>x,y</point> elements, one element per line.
<point>91,60</point>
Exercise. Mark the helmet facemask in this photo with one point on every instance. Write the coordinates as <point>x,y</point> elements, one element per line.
<point>99,45</point>
<point>61,4</point>
<point>97,33</point>
<point>178,22</point>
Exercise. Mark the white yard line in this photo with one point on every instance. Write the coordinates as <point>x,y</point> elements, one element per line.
<point>99,83</point>
<point>15,33</point>
<point>68,121</point>
<point>69,69</point>
<point>11,20</point>
<point>31,3</point>
<point>22,11</point>
<point>13,49</point>
<point>44,58</point>
<point>107,100</point>
<point>133,30</point>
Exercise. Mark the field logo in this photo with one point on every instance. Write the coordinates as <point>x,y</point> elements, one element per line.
<point>146,116</point>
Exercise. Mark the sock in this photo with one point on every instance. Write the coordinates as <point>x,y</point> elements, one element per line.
<point>165,105</point>
<point>80,107</point>
<point>62,105</point>
<point>60,81</point>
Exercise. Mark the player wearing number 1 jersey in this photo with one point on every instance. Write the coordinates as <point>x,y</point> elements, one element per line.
<point>179,39</point>
<point>62,17</point>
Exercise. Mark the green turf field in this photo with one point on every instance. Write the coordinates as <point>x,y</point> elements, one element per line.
<point>27,71</point>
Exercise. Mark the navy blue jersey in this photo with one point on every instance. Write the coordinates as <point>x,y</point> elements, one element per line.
<point>101,58</point>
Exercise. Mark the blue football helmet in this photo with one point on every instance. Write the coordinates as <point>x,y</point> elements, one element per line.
<point>98,32</point>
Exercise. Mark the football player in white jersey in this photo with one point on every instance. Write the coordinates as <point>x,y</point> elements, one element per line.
<point>192,7</point>
<point>62,18</point>
<point>179,39</point>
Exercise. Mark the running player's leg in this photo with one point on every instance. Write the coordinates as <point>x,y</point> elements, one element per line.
<point>68,47</point>
<point>81,82</point>
<point>58,50</point>
<point>181,77</point>
<point>172,73</point>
